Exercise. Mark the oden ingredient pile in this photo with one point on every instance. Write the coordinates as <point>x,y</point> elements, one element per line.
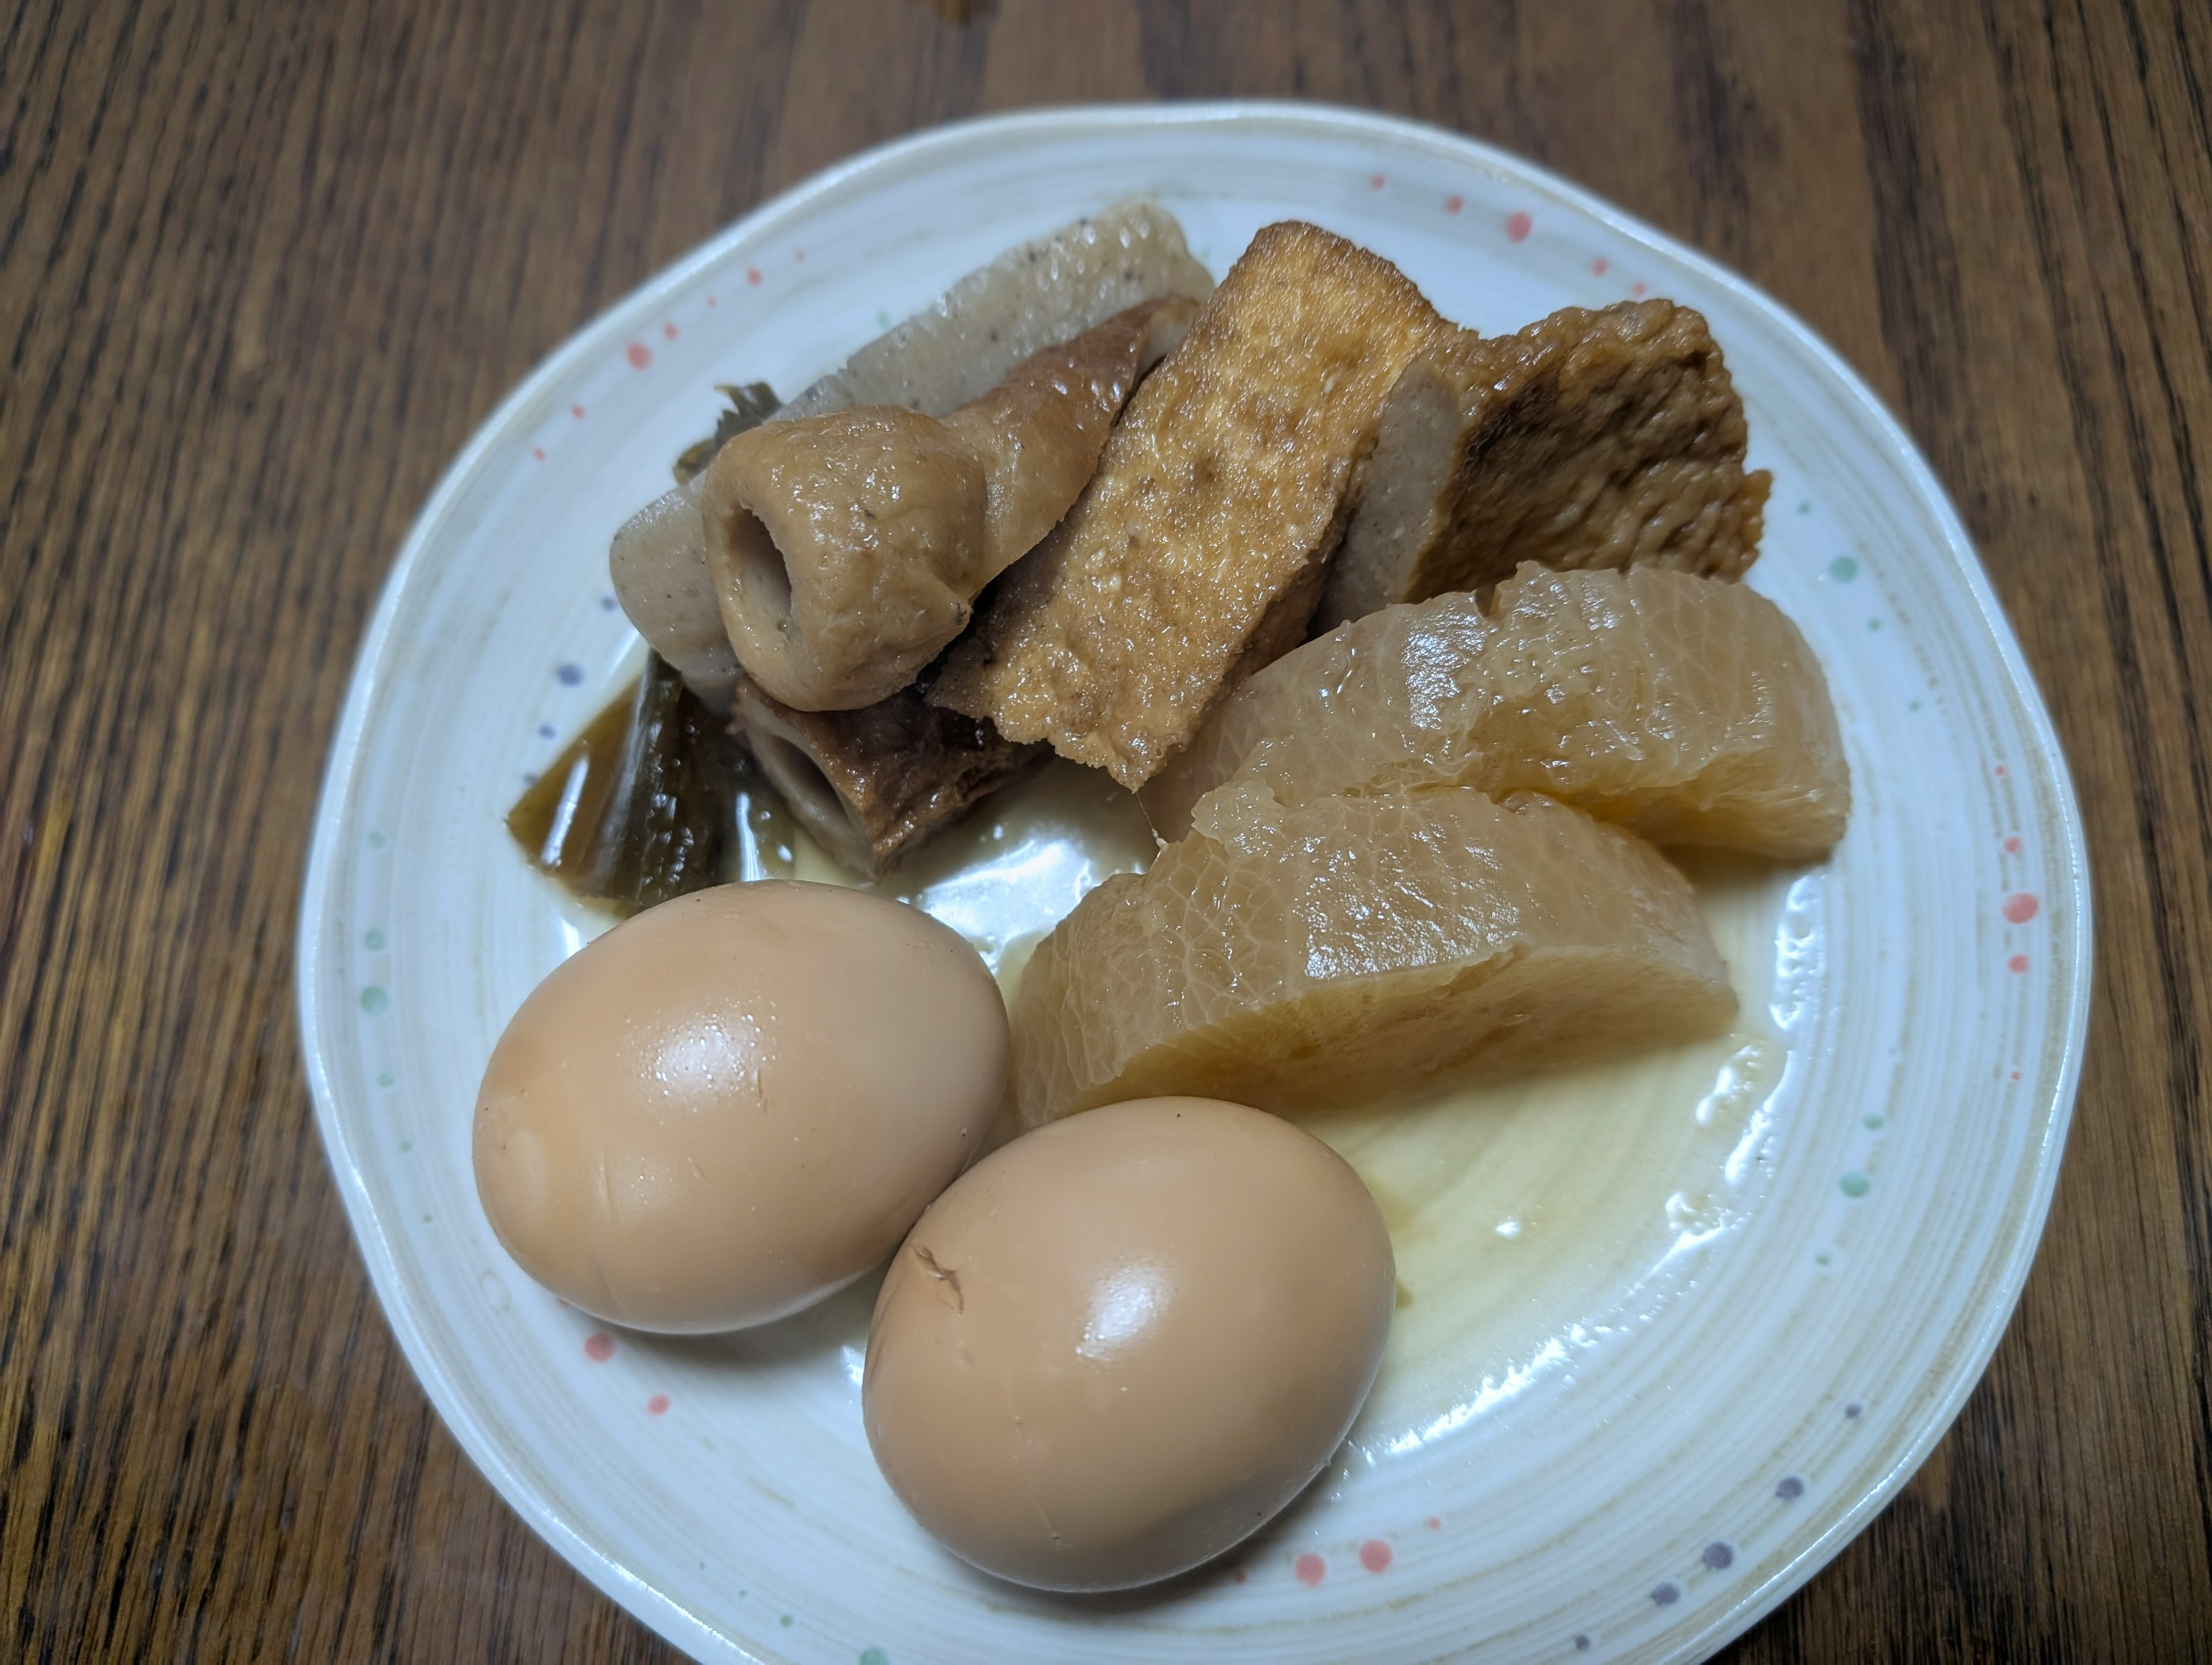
<point>1091,503</point>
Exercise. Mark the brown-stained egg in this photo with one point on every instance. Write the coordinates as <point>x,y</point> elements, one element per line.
<point>736,1102</point>
<point>1118,1345</point>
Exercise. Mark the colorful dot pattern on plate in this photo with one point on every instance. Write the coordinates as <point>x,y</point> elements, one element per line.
<point>1875,1153</point>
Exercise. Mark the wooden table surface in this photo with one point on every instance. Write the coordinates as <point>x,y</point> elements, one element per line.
<point>263,269</point>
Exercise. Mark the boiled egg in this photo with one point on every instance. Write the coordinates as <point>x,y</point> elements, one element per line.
<point>737,1102</point>
<point>1118,1345</point>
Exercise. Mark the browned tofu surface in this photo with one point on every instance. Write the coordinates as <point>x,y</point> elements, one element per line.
<point>1182,562</point>
<point>1588,440</point>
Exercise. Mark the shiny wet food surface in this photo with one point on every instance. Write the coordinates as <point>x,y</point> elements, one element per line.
<point>1115,1349</point>
<point>736,1102</point>
<point>1402,871</point>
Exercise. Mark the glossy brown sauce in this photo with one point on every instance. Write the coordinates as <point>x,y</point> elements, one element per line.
<point>655,798</point>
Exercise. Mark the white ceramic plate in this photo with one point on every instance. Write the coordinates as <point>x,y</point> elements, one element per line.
<point>1677,1327</point>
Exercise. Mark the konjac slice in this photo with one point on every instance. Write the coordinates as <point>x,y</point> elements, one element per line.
<point>1048,290</point>
<point>1354,950</point>
<point>1688,709</point>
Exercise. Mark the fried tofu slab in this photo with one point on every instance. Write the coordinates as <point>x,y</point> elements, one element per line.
<point>1197,552</point>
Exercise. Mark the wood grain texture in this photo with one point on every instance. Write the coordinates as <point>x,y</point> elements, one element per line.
<point>264,268</point>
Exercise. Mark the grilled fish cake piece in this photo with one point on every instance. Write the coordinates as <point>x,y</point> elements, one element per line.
<point>848,548</point>
<point>1353,950</point>
<point>1688,710</point>
<point>1590,439</point>
<point>1044,292</point>
<point>1196,549</point>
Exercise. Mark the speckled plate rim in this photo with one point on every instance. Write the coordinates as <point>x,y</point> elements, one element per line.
<point>511,421</point>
